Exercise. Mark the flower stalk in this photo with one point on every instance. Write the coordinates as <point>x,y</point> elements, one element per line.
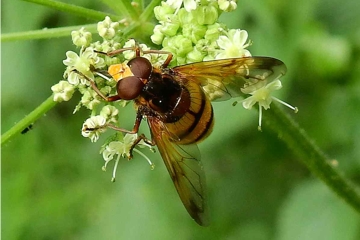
<point>32,117</point>
<point>310,155</point>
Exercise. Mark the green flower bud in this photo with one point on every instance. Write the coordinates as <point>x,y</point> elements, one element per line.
<point>213,31</point>
<point>180,46</point>
<point>194,32</point>
<point>170,29</point>
<point>183,45</point>
<point>181,60</point>
<point>206,14</point>
<point>194,56</point>
<point>163,12</point>
<point>185,17</point>
<point>157,37</point>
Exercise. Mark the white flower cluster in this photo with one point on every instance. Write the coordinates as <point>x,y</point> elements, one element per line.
<point>87,66</point>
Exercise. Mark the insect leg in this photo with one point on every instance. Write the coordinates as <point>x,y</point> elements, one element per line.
<point>140,137</point>
<point>135,48</point>
<point>97,90</point>
<point>115,52</point>
<point>135,129</point>
<point>168,59</point>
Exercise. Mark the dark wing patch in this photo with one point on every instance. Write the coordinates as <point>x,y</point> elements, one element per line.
<point>231,75</point>
<point>186,171</point>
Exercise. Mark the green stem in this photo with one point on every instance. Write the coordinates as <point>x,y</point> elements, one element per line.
<point>69,8</point>
<point>45,33</point>
<point>310,155</point>
<point>29,119</point>
<point>149,10</point>
<point>122,7</point>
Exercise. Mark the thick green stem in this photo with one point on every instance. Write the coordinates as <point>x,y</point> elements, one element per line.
<point>149,11</point>
<point>29,119</point>
<point>45,33</point>
<point>310,155</point>
<point>123,8</point>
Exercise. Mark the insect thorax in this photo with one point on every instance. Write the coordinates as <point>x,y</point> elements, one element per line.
<point>166,96</point>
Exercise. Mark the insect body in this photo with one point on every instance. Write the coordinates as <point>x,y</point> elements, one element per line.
<point>178,110</point>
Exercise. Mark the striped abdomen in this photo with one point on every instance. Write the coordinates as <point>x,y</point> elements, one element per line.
<point>197,121</point>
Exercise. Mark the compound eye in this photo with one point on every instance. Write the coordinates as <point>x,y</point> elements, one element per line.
<point>140,67</point>
<point>129,88</point>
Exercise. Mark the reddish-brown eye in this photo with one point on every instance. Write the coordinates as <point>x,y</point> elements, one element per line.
<point>140,67</point>
<point>129,88</point>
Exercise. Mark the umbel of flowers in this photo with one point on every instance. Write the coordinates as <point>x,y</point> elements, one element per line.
<point>189,29</point>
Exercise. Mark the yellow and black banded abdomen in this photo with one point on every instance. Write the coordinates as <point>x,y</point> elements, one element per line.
<point>197,122</point>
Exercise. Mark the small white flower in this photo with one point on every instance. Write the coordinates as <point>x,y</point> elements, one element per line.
<point>131,54</point>
<point>110,113</point>
<point>110,45</point>
<point>63,91</point>
<point>122,149</point>
<point>261,93</point>
<point>83,63</point>
<point>188,4</point>
<point>93,127</point>
<point>158,36</point>
<point>156,59</point>
<point>90,99</point>
<point>233,45</point>
<point>107,28</point>
<point>75,79</point>
<point>81,38</point>
<point>227,5</point>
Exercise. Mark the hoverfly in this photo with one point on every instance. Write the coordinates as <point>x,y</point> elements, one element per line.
<point>177,108</point>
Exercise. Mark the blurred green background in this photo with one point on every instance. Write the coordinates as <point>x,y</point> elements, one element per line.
<point>52,183</point>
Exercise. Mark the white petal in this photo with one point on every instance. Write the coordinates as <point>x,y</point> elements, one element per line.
<point>189,5</point>
<point>248,102</point>
<point>243,35</point>
<point>224,42</point>
<point>274,85</point>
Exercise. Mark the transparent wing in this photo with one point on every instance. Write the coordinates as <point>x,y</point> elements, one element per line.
<point>232,77</point>
<point>185,168</point>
